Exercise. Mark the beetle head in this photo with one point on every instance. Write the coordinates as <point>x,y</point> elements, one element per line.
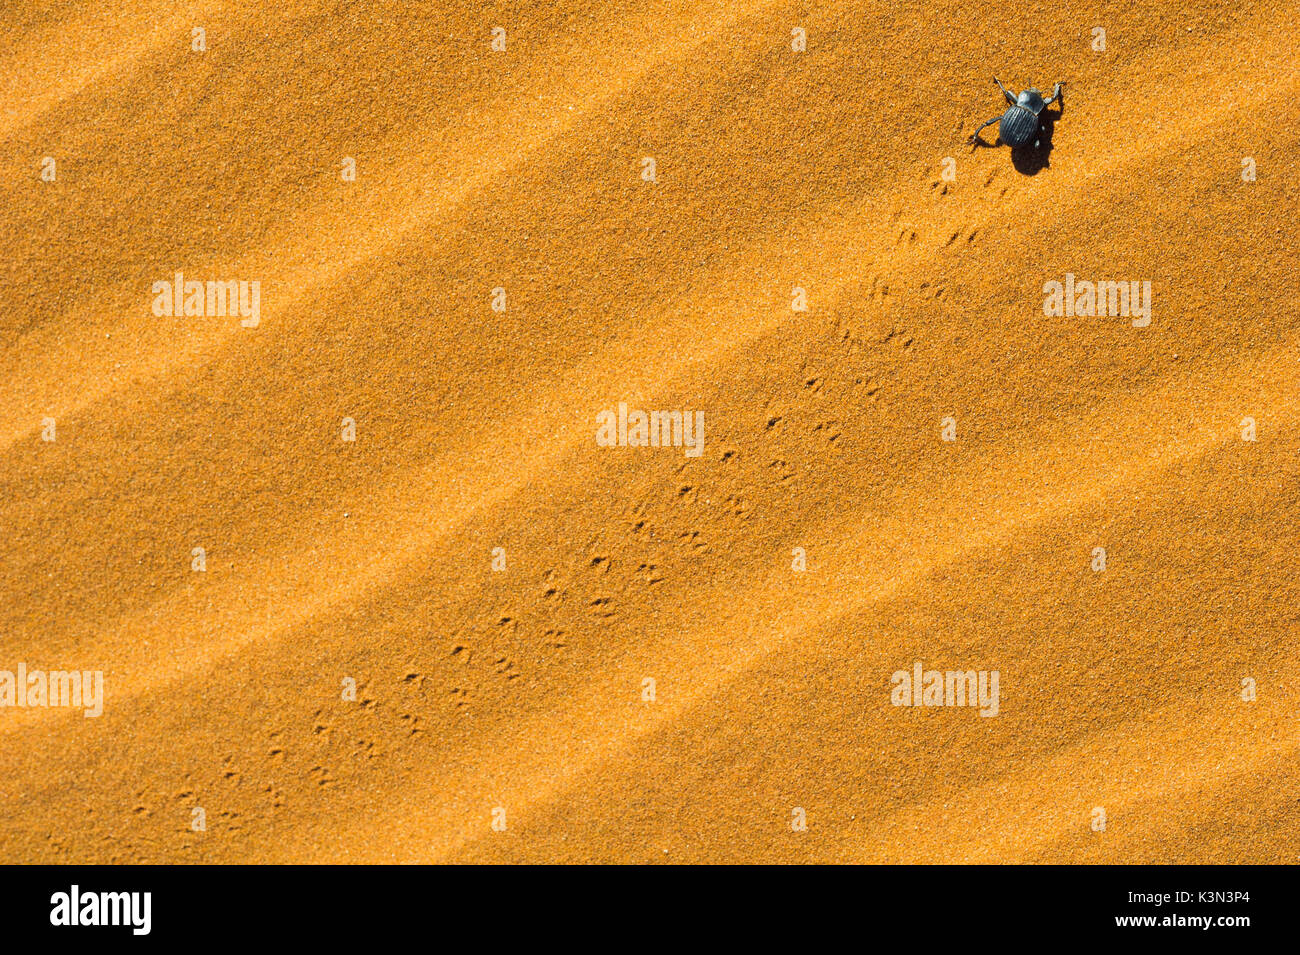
<point>1031,100</point>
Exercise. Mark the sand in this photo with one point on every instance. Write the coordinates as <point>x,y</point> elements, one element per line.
<point>432,643</point>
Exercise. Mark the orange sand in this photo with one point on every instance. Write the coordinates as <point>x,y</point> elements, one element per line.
<point>521,690</point>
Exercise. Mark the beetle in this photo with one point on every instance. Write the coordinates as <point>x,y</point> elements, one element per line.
<point>1020,123</point>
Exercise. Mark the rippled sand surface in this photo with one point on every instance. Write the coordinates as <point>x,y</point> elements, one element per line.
<point>475,634</point>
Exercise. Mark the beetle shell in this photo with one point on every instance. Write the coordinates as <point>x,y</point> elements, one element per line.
<point>1018,126</point>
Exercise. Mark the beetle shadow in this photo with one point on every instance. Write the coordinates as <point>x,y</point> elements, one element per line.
<point>1028,160</point>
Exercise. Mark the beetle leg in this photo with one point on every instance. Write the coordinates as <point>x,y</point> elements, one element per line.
<point>1056,94</point>
<point>976,134</point>
<point>1011,97</point>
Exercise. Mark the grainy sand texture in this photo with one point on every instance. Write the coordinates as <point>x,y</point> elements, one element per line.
<point>375,569</point>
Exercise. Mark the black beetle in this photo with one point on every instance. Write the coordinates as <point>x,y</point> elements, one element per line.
<point>1020,124</point>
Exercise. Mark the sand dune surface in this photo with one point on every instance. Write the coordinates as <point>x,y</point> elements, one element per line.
<point>365,581</point>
